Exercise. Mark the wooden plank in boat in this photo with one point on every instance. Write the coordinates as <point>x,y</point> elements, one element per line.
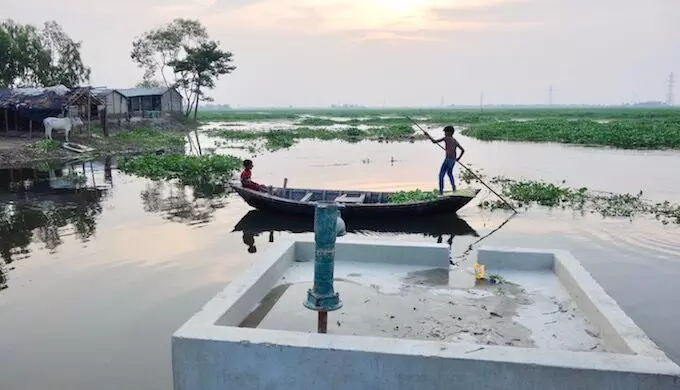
<point>344,198</point>
<point>307,197</point>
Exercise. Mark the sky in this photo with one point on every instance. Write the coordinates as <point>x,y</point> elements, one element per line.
<point>396,52</point>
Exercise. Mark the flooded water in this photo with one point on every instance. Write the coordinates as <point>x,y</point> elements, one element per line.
<point>98,280</point>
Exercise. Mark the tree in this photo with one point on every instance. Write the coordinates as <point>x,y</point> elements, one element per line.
<point>155,49</point>
<point>182,43</point>
<point>149,84</point>
<point>25,54</point>
<point>39,57</point>
<point>65,66</point>
<point>200,69</point>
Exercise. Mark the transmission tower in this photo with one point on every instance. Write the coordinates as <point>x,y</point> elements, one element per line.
<point>671,85</point>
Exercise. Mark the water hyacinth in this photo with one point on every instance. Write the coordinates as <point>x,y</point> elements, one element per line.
<point>189,170</point>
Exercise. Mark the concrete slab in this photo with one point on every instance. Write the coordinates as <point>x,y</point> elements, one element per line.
<point>255,333</point>
<point>411,303</point>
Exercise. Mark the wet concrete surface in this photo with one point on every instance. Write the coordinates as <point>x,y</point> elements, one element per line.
<point>95,293</point>
<point>409,302</point>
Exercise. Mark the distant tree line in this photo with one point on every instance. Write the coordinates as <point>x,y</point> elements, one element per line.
<point>30,56</point>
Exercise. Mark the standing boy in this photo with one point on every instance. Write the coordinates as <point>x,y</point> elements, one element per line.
<point>246,175</point>
<point>451,144</point>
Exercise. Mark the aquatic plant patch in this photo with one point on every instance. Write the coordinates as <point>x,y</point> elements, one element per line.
<point>283,139</point>
<point>387,116</point>
<point>627,134</point>
<point>527,193</point>
<point>214,169</point>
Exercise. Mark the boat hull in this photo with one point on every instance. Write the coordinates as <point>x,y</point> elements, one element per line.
<point>268,202</point>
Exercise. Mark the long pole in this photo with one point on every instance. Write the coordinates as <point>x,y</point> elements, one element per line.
<point>468,169</point>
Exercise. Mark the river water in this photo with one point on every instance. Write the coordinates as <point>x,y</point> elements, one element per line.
<point>97,283</point>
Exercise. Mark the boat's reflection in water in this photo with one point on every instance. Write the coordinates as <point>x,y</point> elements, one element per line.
<point>256,222</point>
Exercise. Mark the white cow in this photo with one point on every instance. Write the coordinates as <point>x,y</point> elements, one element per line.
<point>65,124</point>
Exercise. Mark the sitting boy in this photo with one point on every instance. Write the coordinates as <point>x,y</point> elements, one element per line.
<point>246,182</point>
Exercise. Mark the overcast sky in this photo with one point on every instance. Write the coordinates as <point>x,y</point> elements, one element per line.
<point>396,52</point>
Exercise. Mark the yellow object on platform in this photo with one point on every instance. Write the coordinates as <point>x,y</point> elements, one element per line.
<point>480,273</point>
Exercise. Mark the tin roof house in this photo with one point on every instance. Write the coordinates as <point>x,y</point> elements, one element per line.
<point>152,101</point>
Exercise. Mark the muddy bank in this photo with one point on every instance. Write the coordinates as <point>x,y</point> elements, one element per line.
<point>21,151</point>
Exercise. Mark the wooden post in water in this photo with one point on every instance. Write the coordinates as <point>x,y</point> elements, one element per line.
<point>94,183</point>
<point>108,176</point>
<point>89,108</point>
<point>104,118</point>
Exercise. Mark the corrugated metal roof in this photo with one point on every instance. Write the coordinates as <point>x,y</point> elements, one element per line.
<point>132,92</point>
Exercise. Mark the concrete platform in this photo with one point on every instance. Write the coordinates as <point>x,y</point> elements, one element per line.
<point>409,321</point>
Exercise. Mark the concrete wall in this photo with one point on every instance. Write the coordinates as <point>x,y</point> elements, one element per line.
<point>374,251</point>
<point>206,356</point>
<point>257,359</point>
<point>171,101</point>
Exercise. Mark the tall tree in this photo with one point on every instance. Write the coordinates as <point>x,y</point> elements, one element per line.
<point>66,65</point>
<point>155,49</point>
<point>39,57</point>
<point>176,50</point>
<point>25,55</point>
<point>199,70</point>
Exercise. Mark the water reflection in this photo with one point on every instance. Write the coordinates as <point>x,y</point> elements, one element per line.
<point>256,222</point>
<point>186,204</point>
<point>45,205</point>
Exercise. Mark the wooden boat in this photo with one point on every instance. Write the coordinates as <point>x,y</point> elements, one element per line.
<point>355,203</point>
<point>258,221</point>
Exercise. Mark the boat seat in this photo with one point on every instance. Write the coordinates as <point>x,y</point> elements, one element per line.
<point>344,198</point>
<point>307,197</point>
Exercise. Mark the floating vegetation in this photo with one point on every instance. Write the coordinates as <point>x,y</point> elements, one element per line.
<point>527,193</point>
<point>640,128</point>
<point>385,116</point>
<point>544,194</point>
<point>212,170</point>
<point>283,139</point>
<point>313,121</point>
<point>413,196</point>
<point>638,133</point>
